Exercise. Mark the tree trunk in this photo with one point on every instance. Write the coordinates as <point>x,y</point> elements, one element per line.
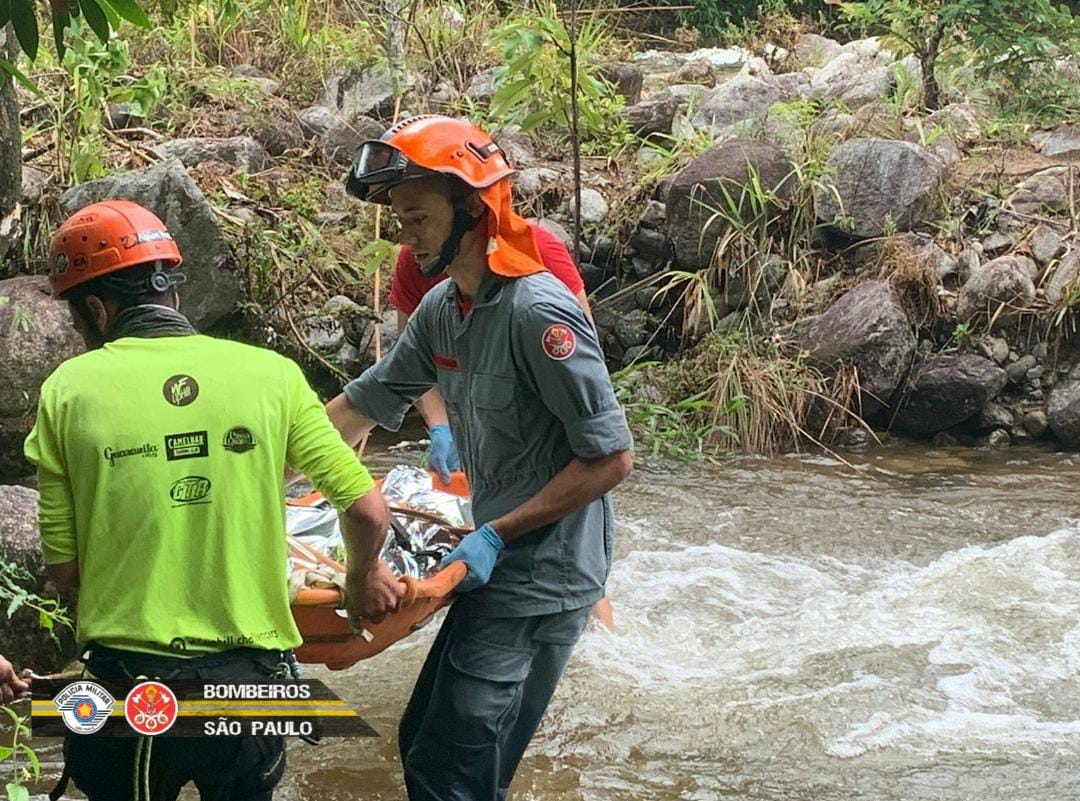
<point>395,42</point>
<point>928,62</point>
<point>10,149</point>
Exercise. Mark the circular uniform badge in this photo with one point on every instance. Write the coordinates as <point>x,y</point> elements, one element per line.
<point>151,708</point>
<point>84,706</point>
<point>559,342</point>
<point>180,390</point>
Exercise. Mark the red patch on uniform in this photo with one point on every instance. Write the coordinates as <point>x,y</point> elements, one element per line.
<point>559,342</point>
<point>151,708</point>
<point>446,362</point>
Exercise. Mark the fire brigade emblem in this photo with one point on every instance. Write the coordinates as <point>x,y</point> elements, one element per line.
<point>151,708</point>
<point>559,342</point>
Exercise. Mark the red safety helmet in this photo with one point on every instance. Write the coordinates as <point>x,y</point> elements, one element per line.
<point>426,145</point>
<point>105,237</point>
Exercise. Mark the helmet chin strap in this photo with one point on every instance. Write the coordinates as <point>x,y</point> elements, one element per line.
<point>463,223</point>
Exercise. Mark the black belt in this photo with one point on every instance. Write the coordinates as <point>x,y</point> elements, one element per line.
<point>175,667</point>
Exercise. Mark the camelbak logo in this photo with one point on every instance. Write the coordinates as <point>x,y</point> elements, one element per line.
<point>190,489</point>
<point>180,390</point>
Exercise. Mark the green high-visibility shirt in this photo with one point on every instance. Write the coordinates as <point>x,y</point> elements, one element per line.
<point>160,466</point>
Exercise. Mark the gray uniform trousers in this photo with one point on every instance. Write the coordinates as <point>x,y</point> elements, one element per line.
<point>478,700</point>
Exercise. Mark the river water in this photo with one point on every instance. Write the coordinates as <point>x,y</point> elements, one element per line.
<point>800,630</point>
<point>907,628</point>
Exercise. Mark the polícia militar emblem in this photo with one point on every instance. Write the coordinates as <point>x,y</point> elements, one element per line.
<point>151,708</point>
<point>84,706</point>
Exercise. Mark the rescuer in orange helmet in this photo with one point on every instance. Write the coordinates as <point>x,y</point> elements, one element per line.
<point>159,459</point>
<point>542,441</point>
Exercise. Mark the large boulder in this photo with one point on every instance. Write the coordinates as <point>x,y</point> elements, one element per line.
<point>344,138</point>
<point>791,85</point>
<point>1046,245</point>
<point>367,93</point>
<point>741,98</point>
<point>812,50</point>
<point>315,121</point>
<point>962,121</point>
<point>1000,288</point>
<point>594,207</point>
<point>625,78</point>
<point>851,81</point>
<point>700,73</point>
<point>25,642</point>
<point>946,390</point>
<point>37,336</point>
<point>362,346</point>
<point>880,185</point>
<point>1045,192</point>
<point>213,288</point>
<point>1063,411</point>
<point>241,152</point>
<point>866,327</point>
<point>1064,276</point>
<point>699,190</point>
<point>1061,142</point>
<point>34,184</point>
<point>278,132</point>
<point>652,116</point>
<point>665,62</point>
<point>483,85</point>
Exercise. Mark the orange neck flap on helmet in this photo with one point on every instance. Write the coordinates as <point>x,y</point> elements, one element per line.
<point>511,249</point>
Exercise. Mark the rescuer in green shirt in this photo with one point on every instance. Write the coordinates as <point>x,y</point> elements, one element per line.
<point>160,455</point>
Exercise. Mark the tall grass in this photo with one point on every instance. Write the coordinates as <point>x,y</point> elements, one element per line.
<point>740,393</point>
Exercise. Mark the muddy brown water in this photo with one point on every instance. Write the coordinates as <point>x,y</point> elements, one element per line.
<point>796,630</point>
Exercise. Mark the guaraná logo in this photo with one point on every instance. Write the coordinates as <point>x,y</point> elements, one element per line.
<point>147,450</point>
<point>84,706</point>
<point>190,490</point>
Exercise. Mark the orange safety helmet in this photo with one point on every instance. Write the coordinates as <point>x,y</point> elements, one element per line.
<point>425,145</point>
<point>105,237</point>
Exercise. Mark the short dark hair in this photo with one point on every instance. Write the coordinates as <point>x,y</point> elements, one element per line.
<point>449,186</point>
<point>126,288</point>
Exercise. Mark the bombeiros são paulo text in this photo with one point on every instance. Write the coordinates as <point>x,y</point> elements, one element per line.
<point>252,692</point>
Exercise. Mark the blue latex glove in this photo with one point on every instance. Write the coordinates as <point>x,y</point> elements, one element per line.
<point>478,551</point>
<point>442,455</point>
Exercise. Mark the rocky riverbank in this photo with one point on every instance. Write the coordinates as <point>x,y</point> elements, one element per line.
<point>789,193</point>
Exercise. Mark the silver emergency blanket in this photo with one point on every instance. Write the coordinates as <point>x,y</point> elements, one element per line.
<point>414,550</point>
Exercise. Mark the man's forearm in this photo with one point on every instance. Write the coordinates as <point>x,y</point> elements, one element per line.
<point>352,425</point>
<point>363,529</point>
<point>432,408</point>
<point>577,484</point>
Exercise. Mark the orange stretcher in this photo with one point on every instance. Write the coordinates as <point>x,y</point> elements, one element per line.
<point>330,640</point>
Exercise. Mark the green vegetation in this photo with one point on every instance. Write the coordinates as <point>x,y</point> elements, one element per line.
<point>534,88</point>
<point>1009,42</point>
<point>737,392</point>
<point>297,240</point>
<point>23,764</point>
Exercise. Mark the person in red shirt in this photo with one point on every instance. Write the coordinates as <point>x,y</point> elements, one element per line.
<point>409,285</point>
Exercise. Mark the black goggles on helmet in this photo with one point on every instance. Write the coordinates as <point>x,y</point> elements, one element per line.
<point>379,166</point>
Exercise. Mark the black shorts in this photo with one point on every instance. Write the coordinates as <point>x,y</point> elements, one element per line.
<point>244,768</point>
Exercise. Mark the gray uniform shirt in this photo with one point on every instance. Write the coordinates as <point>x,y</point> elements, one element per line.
<point>526,390</point>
